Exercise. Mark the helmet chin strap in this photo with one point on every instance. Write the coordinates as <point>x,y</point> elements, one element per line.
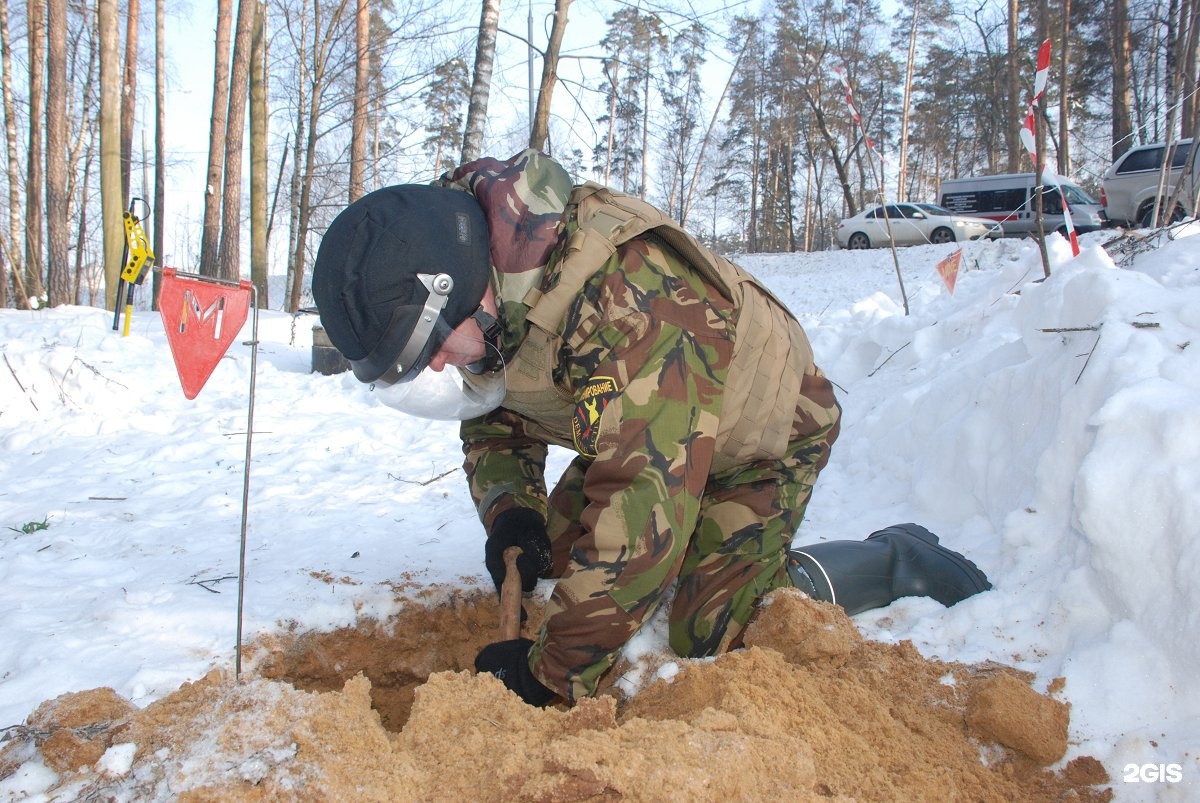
<point>492,330</point>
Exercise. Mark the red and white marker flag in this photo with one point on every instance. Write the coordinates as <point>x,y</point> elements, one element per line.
<point>201,318</point>
<point>1043,70</point>
<point>1028,139</point>
<point>853,109</point>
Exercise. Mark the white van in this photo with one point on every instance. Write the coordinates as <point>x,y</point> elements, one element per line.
<point>1009,199</point>
<point>1131,184</point>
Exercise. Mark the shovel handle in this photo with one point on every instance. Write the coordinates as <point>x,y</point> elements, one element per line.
<point>510,596</point>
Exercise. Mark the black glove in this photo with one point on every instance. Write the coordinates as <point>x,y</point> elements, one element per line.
<point>509,662</point>
<point>526,528</point>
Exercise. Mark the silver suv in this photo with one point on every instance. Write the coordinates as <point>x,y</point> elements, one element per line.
<point>1131,184</point>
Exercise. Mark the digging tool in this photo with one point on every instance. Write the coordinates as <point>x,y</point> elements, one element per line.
<point>510,596</point>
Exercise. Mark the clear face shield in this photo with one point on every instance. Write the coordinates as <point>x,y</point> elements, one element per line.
<point>450,395</point>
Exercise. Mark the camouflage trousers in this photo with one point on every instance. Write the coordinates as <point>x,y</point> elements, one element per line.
<point>737,552</point>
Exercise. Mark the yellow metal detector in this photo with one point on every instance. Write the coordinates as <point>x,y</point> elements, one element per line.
<point>139,260</point>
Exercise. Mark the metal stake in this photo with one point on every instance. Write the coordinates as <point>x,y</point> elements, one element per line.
<point>253,344</point>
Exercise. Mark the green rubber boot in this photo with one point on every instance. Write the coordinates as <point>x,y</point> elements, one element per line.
<point>904,560</point>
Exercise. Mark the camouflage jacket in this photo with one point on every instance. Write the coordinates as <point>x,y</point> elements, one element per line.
<point>636,368</point>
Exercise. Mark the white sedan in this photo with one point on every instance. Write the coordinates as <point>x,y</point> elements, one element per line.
<point>912,224</point>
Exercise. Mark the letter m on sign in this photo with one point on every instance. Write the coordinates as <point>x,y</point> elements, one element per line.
<point>201,318</point>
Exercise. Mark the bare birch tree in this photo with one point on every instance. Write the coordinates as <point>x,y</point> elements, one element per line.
<point>540,128</point>
<point>326,31</point>
<point>906,104</point>
<point>481,82</point>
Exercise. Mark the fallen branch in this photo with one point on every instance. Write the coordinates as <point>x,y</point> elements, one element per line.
<point>1089,357</point>
<point>429,481</point>
<point>893,354</point>
<point>18,381</point>
<point>201,583</point>
<point>1134,324</point>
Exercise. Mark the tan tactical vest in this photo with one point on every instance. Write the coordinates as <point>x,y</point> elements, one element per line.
<point>771,352</point>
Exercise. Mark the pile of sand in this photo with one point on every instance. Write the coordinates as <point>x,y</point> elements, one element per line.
<point>808,711</point>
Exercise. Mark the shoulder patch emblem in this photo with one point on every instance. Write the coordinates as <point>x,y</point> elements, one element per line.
<point>590,405</point>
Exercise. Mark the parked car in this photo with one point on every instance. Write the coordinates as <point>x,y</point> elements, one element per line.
<point>1010,200</point>
<point>911,224</point>
<point>1130,184</point>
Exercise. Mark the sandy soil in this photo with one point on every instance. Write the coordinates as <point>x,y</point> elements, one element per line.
<point>390,711</point>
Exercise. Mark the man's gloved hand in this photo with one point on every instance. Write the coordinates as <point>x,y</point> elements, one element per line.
<point>509,662</point>
<point>519,526</point>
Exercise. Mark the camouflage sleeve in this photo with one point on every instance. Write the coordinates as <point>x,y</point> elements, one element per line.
<point>650,348</point>
<point>505,468</point>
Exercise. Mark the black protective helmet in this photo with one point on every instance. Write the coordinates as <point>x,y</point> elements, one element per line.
<point>396,272</point>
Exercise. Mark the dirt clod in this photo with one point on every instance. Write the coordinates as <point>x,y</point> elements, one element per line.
<point>1005,710</point>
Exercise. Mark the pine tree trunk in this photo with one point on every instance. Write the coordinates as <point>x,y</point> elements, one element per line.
<point>34,174</point>
<point>645,120</point>
<point>1016,110</point>
<point>258,157</point>
<point>111,201</point>
<point>358,134</point>
<point>1064,100</point>
<point>481,83</point>
<point>235,132</point>
<point>1191,71</point>
<point>58,284</point>
<point>210,236</point>
<point>9,255</point>
<point>129,94</point>
<point>1122,122</point>
<point>160,137</point>
<point>902,169</point>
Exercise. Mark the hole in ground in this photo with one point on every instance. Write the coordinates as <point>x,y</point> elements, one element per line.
<point>396,656</point>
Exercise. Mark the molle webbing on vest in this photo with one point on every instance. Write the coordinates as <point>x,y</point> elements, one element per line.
<point>619,218</point>
<point>771,351</point>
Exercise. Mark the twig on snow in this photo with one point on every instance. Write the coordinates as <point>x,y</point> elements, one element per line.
<point>18,381</point>
<point>429,481</point>
<point>201,583</point>
<point>893,354</point>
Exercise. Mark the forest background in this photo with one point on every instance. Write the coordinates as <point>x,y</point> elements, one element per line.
<point>731,115</point>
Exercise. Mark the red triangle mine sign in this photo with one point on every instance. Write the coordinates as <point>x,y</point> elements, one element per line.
<point>202,318</point>
<point>948,269</point>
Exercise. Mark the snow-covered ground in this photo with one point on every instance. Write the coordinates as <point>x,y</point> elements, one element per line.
<point>1066,464</point>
